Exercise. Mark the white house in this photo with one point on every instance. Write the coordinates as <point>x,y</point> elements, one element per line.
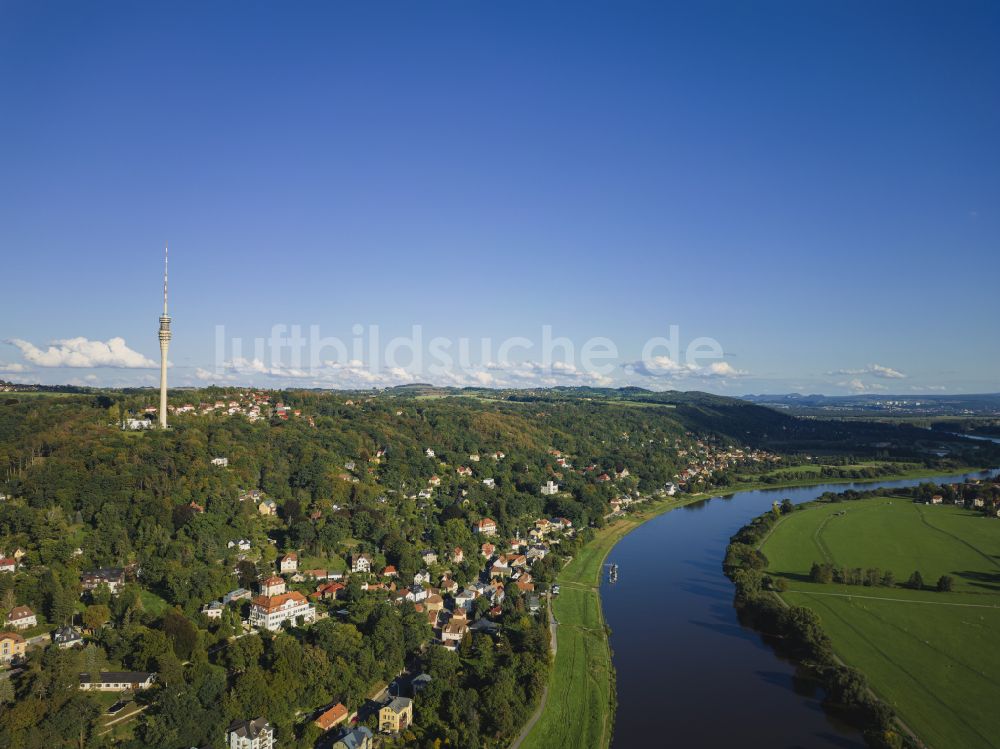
<point>486,527</point>
<point>250,734</point>
<point>21,617</point>
<point>213,610</point>
<point>117,681</point>
<point>289,562</point>
<point>361,563</point>
<point>550,487</point>
<point>270,612</point>
<point>221,462</point>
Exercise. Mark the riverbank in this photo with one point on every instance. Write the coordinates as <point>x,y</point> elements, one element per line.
<point>579,710</point>
<point>580,704</point>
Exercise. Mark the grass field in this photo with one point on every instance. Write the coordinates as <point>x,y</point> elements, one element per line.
<point>931,655</point>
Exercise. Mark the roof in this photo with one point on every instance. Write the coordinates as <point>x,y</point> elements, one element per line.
<point>356,738</point>
<point>11,636</point>
<point>398,704</point>
<point>116,677</point>
<point>66,634</point>
<point>273,603</point>
<point>332,717</point>
<point>250,729</point>
<point>20,612</point>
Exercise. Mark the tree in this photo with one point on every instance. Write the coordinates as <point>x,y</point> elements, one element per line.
<point>945,583</point>
<point>916,581</point>
<point>96,616</point>
<point>182,633</point>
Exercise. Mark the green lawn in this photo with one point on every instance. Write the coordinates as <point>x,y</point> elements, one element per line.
<point>332,563</point>
<point>931,655</point>
<point>152,602</point>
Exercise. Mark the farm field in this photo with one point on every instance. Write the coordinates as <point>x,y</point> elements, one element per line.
<point>931,655</point>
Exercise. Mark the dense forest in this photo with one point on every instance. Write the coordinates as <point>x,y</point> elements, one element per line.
<point>347,473</point>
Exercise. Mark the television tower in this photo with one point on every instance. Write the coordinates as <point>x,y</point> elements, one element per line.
<point>164,345</point>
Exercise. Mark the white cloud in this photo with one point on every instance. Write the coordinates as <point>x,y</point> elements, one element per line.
<point>663,367</point>
<point>859,386</point>
<point>875,370</point>
<point>12,368</point>
<point>84,353</point>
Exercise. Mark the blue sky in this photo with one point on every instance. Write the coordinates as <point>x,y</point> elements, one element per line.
<point>813,186</point>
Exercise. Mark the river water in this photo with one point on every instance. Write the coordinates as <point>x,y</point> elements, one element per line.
<point>689,675</point>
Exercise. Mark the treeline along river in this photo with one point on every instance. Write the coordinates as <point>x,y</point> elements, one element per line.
<point>688,674</point>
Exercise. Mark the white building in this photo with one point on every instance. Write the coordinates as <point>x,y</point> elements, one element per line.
<point>270,612</point>
<point>550,487</point>
<point>117,681</point>
<point>250,734</point>
<point>221,462</point>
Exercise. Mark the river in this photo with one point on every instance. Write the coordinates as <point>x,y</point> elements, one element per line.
<point>687,671</point>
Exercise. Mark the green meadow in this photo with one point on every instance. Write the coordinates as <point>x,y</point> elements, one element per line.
<point>931,655</point>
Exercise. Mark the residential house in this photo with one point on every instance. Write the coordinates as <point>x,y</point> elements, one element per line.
<point>429,556</point>
<point>361,563</point>
<point>434,602</point>
<point>329,591</point>
<point>117,681</point>
<point>395,715</point>
<point>550,487</point>
<point>113,577</point>
<point>21,617</point>
<point>455,629</point>
<point>448,584</point>
<point>332,717</point>
<point>486,527</point>
<point>220,462</point>
<point>289,563</point>
<point>268,508</point>
<point>213,610</point>
<point>8,564</point>
<point>390,571</point>
<point>457,555</point>
<point>429,453</point>
<point>272,586</point>
<point>487,550</point>
<point>423,577</point>
<point>465,599</point>
<point>357,738</point>
<point>250,734</point>
<point>500,568</point>
<point>242,544</point>
<point>12,647</point>
<point>434,481</point>
<point>937,499</point>
<point>270,612</point>
<point>489,483</point>
<point>66,637</point>
<point>463,471</point>
<point>238,595</point>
